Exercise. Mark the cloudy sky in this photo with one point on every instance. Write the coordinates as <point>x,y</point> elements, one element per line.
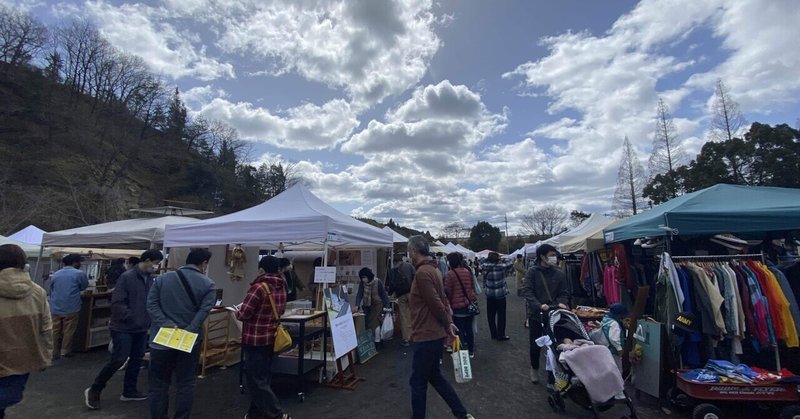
<point>436,112</point>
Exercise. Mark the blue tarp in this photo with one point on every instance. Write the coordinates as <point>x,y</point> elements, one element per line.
<point>718,209</point>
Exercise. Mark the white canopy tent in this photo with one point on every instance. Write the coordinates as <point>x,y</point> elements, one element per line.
<point>396,237</point>
<point>590,239</point>
<point>295,218</point>
<point>31,250</point>
<point>30,234</point>
<point>137,233</point>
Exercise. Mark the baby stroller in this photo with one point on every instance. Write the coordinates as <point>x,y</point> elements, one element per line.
<point>560,324</point>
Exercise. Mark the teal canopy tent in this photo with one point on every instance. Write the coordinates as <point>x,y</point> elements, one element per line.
<point>718,209</point>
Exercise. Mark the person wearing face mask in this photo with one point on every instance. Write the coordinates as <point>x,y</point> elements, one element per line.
<point>180,299</point>
<point>371,298</point>
<point>129,324</point>
<point>544,289</point>
<point>65,303</point>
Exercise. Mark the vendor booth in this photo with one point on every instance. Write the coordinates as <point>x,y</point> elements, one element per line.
<point>721,268</point>
<point>295,220</point>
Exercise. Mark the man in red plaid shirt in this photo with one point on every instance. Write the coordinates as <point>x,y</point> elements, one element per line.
<point>258,337</point>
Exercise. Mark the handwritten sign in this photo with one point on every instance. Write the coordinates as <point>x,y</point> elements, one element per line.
<point>325,275</point>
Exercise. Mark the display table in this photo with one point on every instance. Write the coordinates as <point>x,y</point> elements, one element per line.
<point>294,362</point>
<point>92,330</point>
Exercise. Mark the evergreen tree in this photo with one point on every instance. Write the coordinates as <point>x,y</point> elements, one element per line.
<point>667,153</point>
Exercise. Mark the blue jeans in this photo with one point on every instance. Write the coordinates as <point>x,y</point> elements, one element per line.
<point>11,388</point>
<point>424,370</point>
<point>126,345</point>
<point>163,363</point>
<point>258,369</point>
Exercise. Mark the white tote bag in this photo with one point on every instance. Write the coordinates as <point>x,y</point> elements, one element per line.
<point>387,328</point>
<point>461,364</point>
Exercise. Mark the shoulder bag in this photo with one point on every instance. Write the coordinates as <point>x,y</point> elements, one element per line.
<point>472,307</point>
<point>283,340</point>
<point>188,289</point>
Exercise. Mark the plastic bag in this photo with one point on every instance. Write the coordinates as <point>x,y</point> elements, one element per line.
<point>387,329</point>
<point>461,364</point>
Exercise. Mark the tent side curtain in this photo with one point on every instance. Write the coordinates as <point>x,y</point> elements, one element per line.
<point>137,233</point>
<point>718,209</point>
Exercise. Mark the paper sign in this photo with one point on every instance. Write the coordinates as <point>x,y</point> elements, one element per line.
<point>343,330</point>
<point>325,275</point>
<point>174,338</point>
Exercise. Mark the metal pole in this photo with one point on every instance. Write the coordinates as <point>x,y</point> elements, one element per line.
<point>36,275</point>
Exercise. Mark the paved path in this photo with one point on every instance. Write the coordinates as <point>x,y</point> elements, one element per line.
<point>501,388</point>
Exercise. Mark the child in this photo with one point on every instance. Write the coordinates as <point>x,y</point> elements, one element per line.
<point>614,331</point>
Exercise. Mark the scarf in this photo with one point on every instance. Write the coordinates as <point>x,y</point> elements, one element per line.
<point>367,293</point>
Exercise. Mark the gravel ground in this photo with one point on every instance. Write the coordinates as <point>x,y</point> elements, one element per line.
<point>500,389</point>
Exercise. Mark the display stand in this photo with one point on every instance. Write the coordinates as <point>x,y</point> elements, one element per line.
<point>216,341</point>
<point>92,330</point>
<point>345,378</point>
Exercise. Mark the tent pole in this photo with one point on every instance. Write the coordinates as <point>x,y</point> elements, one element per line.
<point>38,264</point>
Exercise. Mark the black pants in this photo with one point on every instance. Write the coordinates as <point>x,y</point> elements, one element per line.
<point>258,369</point>
<point>163,363</point>
<point>535,331</point>
<point>496,314</point>
<point>424,370</point>
<point>126,345</point>
<point>464,325</point>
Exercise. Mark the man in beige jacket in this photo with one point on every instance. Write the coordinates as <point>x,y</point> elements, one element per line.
<point>26,329</point>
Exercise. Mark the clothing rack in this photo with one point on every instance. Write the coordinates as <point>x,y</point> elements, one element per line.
<point>712,257</point>
<point>732,257</point>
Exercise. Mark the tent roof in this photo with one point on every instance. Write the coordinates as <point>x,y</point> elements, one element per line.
<point>30,234</point>
<point>396,237</point>
<point>718,209</point>
<point>137,233</point>
<point>31,250</point>
<point>577,238</point>
<point>296,217</point>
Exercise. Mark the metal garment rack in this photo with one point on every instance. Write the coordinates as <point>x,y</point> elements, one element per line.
<point>732,257</point>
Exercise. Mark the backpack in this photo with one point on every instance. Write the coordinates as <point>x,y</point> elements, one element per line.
<point>399,285</point>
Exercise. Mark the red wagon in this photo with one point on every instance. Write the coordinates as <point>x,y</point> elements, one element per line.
<point>709,396</point>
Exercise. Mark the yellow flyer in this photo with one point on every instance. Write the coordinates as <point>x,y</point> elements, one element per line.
<point>175,338</point>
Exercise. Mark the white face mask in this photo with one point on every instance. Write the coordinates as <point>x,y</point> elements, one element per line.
<point>27,267</point>
<point>552,260</point>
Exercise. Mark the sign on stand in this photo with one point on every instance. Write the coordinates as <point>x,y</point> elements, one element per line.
<point>340,315</point>
<point>324,274</point>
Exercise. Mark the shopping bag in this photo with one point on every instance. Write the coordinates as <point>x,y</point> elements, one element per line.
<point>461,365</point>
<point>387,329</point>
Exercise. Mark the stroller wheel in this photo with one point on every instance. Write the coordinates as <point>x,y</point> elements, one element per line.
<point>706,411</point>
<point>551,400</point>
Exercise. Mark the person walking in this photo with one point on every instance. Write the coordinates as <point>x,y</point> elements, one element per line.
<point>180,299</point>
<point>545,287</point>
<point>496,289</point>
<point>460,290</point>
<point>400,286</point>
<point>65,303</point>
<point>431,323</point>
<point>129,324</point>
<point>25,326</point>
<point>519,273</point>
<point>372,299</point>
<point>266,296</point>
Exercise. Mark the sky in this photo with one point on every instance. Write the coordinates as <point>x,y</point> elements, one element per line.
<point>431,113</point>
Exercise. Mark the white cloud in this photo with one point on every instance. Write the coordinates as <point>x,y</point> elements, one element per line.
<point>142,30</point>
<point>304,127</point>
<point>372,49</point>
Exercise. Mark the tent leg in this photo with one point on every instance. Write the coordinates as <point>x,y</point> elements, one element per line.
<point>36,279</point>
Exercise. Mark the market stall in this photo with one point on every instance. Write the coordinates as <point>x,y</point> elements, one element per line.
<point>714,295</point>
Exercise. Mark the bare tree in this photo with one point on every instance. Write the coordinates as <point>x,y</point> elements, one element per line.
<point>547,220</point>
<point>455,231</point>
<point>21,36</point>
<point>667,152</point>
<point>728,119</point>
<point>628,195</point>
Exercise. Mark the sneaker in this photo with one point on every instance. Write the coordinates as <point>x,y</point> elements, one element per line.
<point>133,397</point>
<point>469,416</point>
<point>471,355</point>
<point>527,324</point>
<point>503,338</point>
<point>91,398</point>
<point>534,376</point>
<point>405,343</point>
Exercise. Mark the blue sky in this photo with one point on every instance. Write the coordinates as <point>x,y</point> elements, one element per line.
<point>458,111</point>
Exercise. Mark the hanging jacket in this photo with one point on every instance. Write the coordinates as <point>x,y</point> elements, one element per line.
<point>787,292</point>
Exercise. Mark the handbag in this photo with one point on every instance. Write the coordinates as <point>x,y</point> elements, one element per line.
<point>472,307</point>
<point>283,340</point>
